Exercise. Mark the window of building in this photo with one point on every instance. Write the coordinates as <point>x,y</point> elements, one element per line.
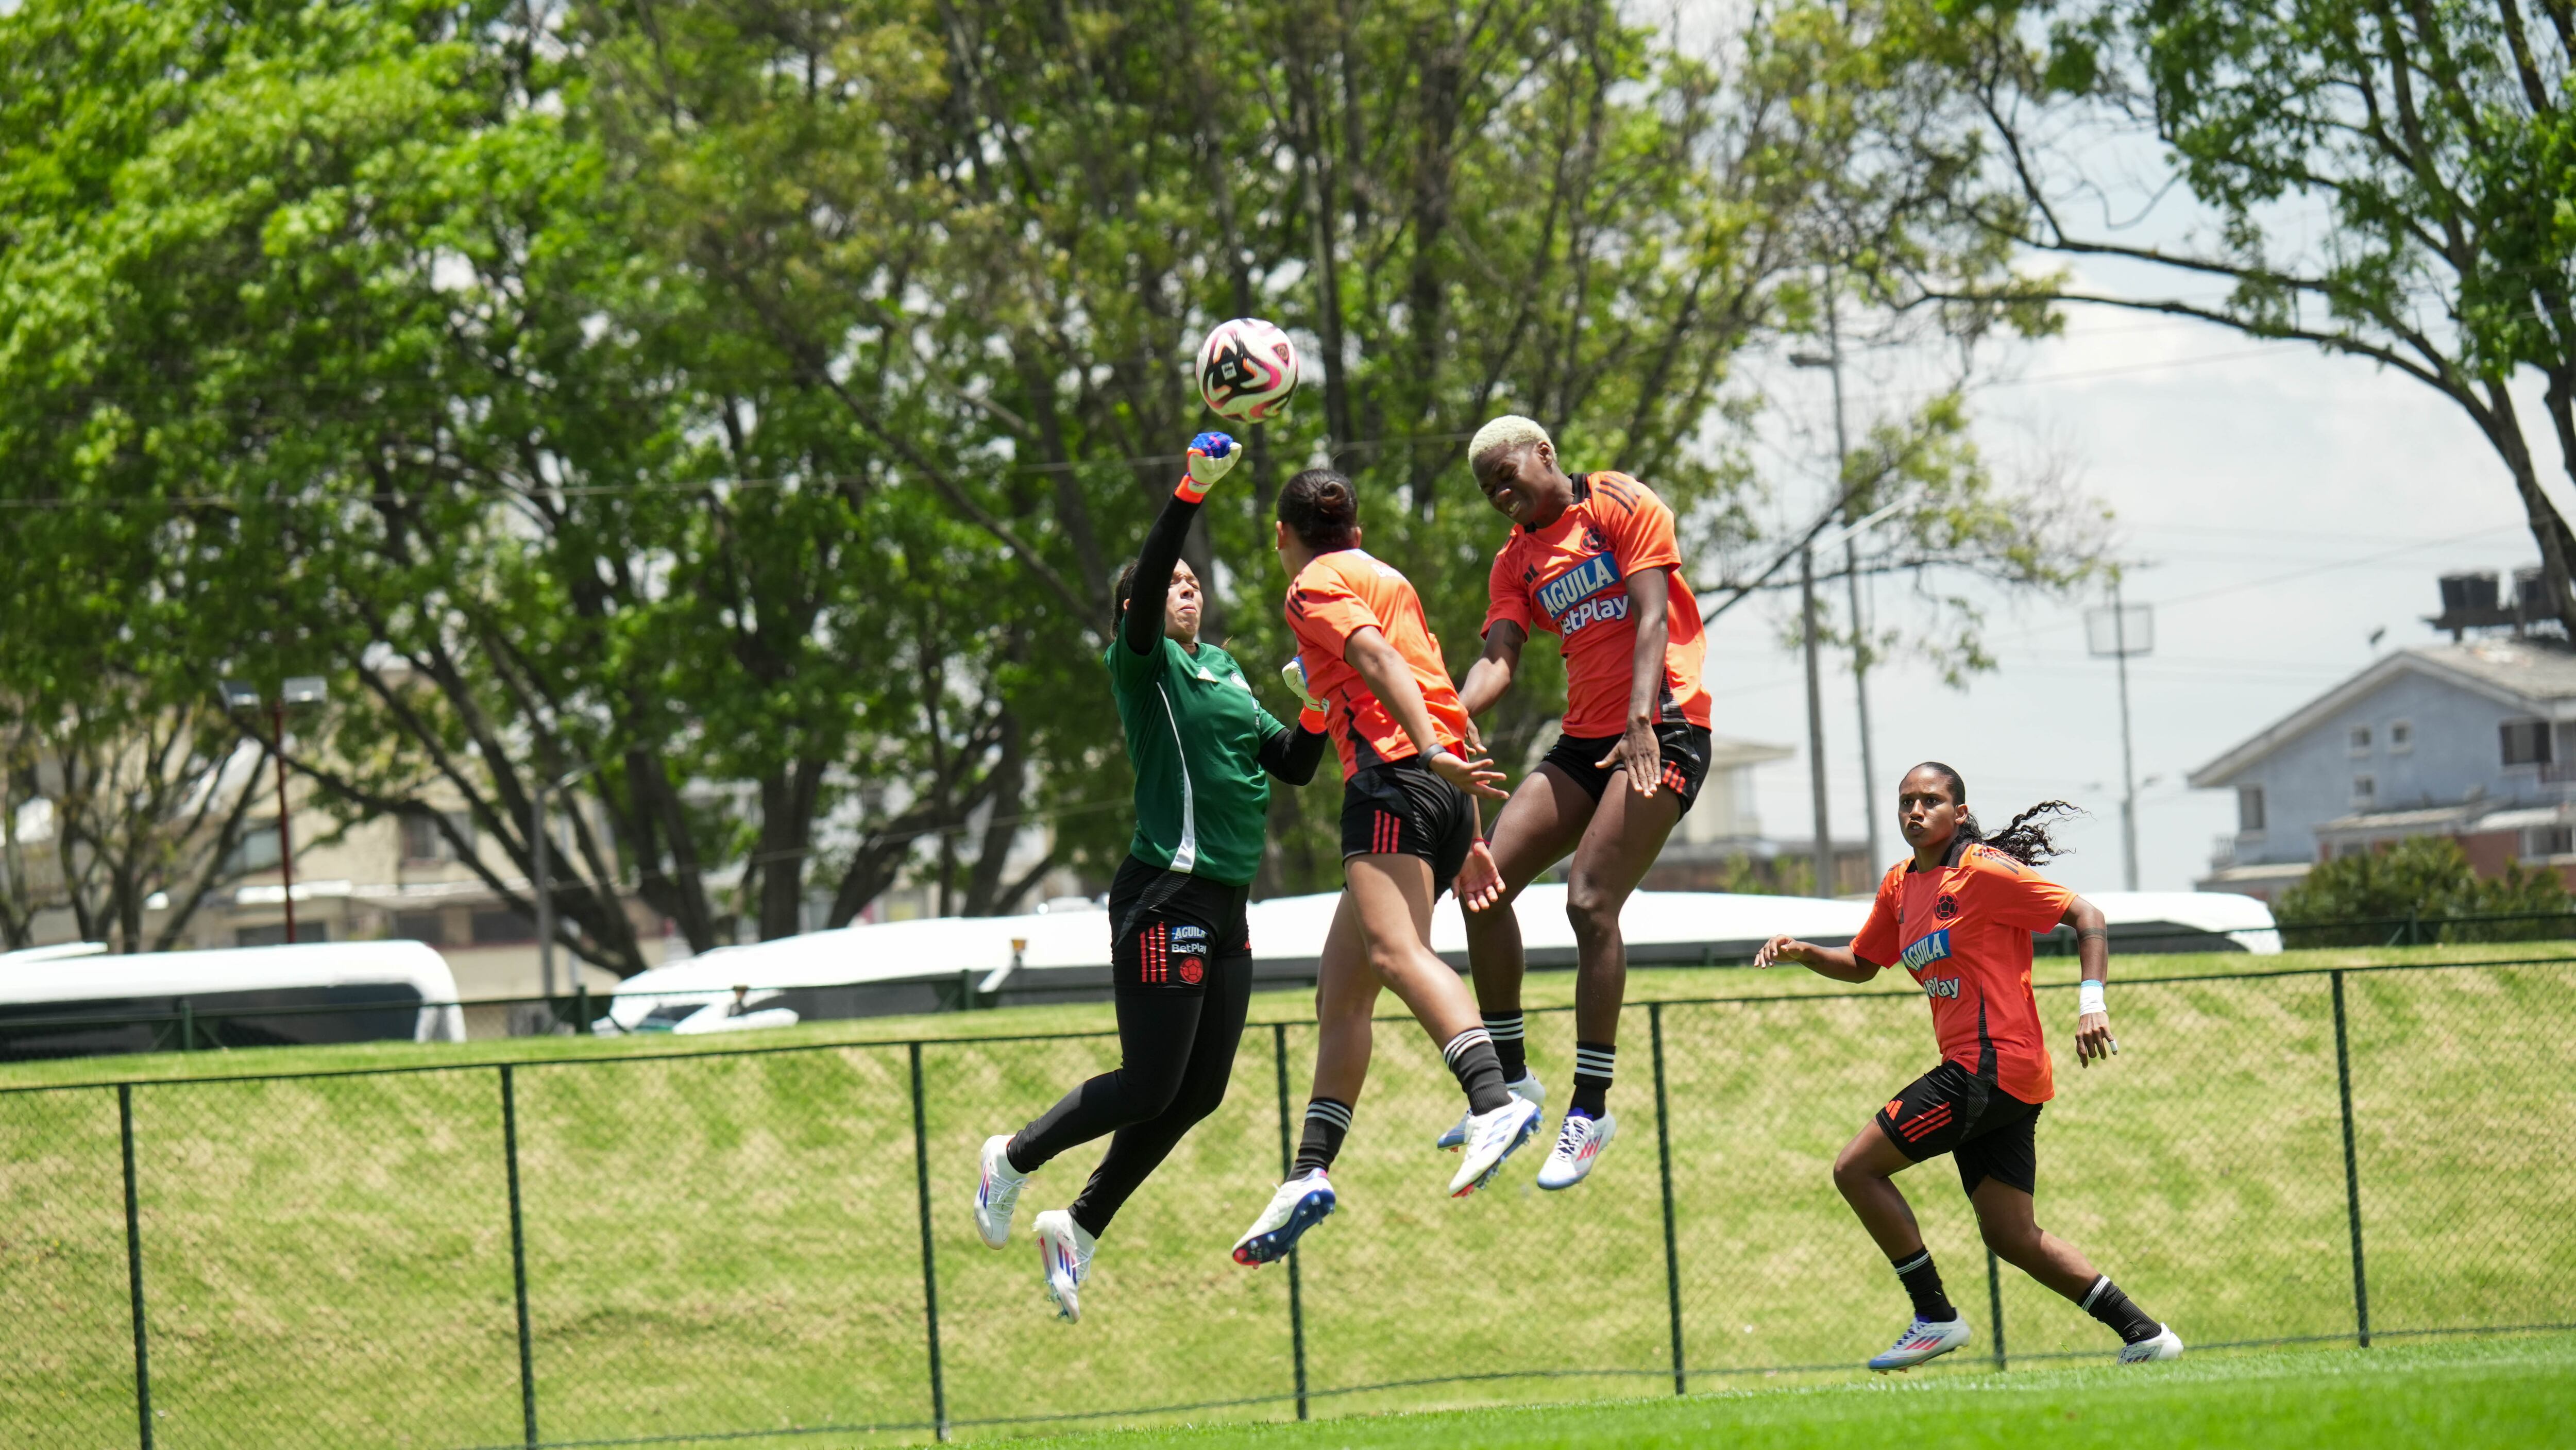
<point>2360,738</point>
<point>2401,737</point>
<point>2364,790</point>
<point>2249,809</point>
<point>274,934</point>
<point>256,851</point>
<point>500,928</point>
<point>423,842</point>
<point>2526,742</point>
<point>2350,848</point>
<point>2549,841</point>
<point>421,926</point>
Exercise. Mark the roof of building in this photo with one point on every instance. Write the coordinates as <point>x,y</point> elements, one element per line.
<point>2534,675</point>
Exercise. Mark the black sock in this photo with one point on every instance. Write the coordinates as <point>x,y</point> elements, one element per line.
<point>2116,1309</point>
<point>1471,1056</point>
<point>1510,1048</point>
<point>1011,1155</point>
<point>1593,1063</point>
<point>1923,1282</point>
<point>1328,1121</point>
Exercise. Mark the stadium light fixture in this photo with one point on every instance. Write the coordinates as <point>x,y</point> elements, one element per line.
<point>301,691</point>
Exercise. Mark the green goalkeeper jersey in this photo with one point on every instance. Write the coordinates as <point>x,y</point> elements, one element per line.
<point>1194,737</point>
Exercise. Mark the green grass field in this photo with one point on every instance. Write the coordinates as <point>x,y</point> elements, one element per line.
<point>730,1242</point>
<point>2487,1393</point>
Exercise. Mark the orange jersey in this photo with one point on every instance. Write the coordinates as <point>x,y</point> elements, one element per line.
<point>1964,932</point>
<point>1571,579</point>
<point>1337,596</point>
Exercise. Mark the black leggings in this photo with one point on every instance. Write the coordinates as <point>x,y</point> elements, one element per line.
<point>1176,1051</point>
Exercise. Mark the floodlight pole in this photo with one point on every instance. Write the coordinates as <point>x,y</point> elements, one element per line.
<point>1851,577</point>
<point>285,831</point>
<point>545,894</point>
<point>1824,863</point>
<point>2128,762</point>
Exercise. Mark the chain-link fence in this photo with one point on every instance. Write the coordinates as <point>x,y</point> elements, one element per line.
<point>776,1241</point>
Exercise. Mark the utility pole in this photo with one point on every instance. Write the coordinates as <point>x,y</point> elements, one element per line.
<point>540,847</point>
<point>2120,632</point>
<point>1851,577</point>
<point>1824,884</point>
<point>242,699</point>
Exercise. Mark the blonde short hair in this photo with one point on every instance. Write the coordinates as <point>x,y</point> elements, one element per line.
<point>1504,434</point>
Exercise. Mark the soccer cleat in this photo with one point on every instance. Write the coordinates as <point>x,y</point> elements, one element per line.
<point>2166,1345</point>
<point>997,1193</point>
<point>1921,1341</point>
<point>1300,1204</point>
<point>1528,1088</point>
<point>1491,1138</point>
<point>1064,1253</point>
<point>1579,1141</point>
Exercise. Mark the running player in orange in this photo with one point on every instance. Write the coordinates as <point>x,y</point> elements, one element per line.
<point>1367,656</point>
<point>1592,559</point>
<point>1959,917</point>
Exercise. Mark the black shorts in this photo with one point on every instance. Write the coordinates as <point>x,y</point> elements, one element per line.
<point>1986,1130</point>
<point>1400,807</point>
<point>1685,751</point>
<point>1169,929</point>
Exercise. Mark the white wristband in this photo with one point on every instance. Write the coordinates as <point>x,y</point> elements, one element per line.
<point>2088,998</point>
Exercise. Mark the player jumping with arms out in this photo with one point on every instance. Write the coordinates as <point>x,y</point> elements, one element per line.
<point>1408,830</point>
<point>1593,559</point>
<point>1959,917</point>
<point>1181,958</point>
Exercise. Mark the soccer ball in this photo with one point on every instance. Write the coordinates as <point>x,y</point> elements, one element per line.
<point>1247,369</point>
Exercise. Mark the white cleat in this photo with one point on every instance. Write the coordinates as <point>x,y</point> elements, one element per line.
<point>1491,1138</point>
<point>1300,1204</point>
<point>2166,1345</point>
<point>1064,1253</point>
<point>997,1193</point>
<point>1528,1089</point>
<point>1922,1341</point>
<point>1579,1141</point>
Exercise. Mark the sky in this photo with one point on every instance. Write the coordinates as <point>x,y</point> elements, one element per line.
<point>2274,505</point>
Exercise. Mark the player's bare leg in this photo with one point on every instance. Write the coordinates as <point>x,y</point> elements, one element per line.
<point>2009,1221</point>
<point>1346,991</point>
<point>1391,895</point>
<point>1864,1171</point>
<point>1536,828</point>
<point>1625,835</point>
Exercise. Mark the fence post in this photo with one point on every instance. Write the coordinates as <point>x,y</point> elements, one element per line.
<point>2351,1167</point>
<point>1288,1161</point>
<point>134,1266</point>
<point>929,1257</point>
<point>518,1256</point>
<point>1995,1308</point>
<point>1664,1160</point>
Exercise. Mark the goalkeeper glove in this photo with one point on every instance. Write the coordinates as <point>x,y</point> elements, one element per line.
<point>1212,456</point>
<point>1311,718</point>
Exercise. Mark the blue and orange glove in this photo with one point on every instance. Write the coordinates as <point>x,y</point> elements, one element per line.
<point>1311,718</point>
<point>1212,456</point>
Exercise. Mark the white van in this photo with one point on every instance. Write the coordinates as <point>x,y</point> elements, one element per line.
<point>80,1000</point>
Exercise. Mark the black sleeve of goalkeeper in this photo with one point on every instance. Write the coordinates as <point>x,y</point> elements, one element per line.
<point>1143,630</point>
<point>1292,754</point>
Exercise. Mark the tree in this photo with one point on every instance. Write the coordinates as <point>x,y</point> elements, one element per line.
<point>2388,182</point>
<point>995,240</point>
<point>2419,889</point>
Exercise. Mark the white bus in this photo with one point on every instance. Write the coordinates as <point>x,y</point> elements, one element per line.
<point>81,999</point>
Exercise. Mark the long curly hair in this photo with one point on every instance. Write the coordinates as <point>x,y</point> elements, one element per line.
<point>2024,838</point>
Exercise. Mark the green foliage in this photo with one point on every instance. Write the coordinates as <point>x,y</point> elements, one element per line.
<point>2389,182</point>
<point>741,409</point>
<point>2419,889</point>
